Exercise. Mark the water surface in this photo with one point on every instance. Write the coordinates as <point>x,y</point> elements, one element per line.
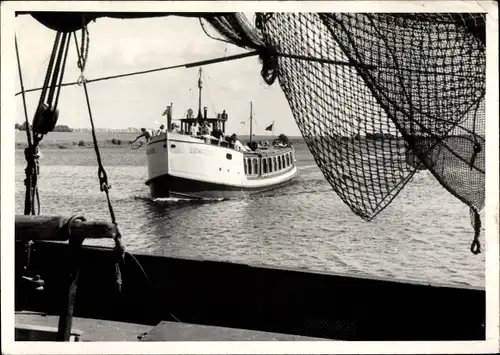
<point>425,234</point>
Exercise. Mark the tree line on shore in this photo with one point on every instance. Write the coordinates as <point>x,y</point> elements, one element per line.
<point>58,128</point>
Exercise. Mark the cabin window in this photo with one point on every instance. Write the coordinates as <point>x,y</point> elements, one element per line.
<point>229,156</point>
<point>269,165</point>
<point>245,163</point>
<point>287,160</point>
<point>255,164</point>
<point>264,165</point>
<point>279,163</point>
<point>249,167</point>
<point>275,164</point>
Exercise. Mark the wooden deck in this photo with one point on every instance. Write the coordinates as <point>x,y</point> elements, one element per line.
<point>99,330</point>
<point>90,329</point>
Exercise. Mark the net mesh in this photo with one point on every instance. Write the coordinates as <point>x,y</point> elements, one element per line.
<point>405,93</point>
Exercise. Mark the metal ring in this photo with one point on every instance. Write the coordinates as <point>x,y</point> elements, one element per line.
<point>81,80</point>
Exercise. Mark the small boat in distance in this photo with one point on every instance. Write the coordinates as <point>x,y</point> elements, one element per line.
<point>196,161</point>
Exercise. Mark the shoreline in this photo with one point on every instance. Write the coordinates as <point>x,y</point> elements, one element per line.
<point>74,145</point>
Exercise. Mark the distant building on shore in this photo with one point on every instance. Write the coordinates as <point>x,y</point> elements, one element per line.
<point>108,130</point>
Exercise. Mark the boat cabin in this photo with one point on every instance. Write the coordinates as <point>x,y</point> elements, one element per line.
<point>190,120</point>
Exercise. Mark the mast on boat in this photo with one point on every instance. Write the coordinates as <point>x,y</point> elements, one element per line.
<point>251,121</point>
<point>200,86</point>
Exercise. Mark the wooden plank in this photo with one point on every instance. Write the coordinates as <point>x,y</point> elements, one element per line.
<point>171,331</point>
<point>30,332</point>
<point>55,228</point>
<point>87,329</point>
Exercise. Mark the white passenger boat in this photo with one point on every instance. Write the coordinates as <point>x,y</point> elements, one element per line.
<point>183,163</point>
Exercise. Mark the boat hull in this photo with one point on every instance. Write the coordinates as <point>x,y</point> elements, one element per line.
<point>182,166</point>
<point>173,186</point>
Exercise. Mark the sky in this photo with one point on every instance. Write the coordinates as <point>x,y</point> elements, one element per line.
<point>121,46</point>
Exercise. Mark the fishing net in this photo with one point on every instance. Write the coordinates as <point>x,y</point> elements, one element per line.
<point>379,97</point>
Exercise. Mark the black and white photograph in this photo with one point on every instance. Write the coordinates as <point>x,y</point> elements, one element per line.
<point>250,177</point>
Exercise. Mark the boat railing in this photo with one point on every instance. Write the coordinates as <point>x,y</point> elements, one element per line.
<point>265,164</point>
<point>223,143</point>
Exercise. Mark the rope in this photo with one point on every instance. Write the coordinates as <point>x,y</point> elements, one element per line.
<point>138,264</point>
<point>103,182</point>
<point>475,247</point>
<point>47,74</point>
<point>103,179</point>
<point>119,248</point>
<point>124,75</point>
<point>140,145</point>
<point>477,145</point>
<point>62,71</point>
<point>26,120</point>
<point>45,117</point>
<point>31,154</point>
<point>57,68</point>
<point>201,63</point>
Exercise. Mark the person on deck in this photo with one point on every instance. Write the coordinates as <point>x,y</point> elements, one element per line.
<point>237,143</point>
<point>175,128</point>
<point>205,128</point>
<point>217,132</point>
<point>161,130</point>
<point>145,133</point>
<point>194,129</point>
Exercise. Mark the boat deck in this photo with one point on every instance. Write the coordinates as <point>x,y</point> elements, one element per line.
<point>101,330</point>
<point>90,329</point>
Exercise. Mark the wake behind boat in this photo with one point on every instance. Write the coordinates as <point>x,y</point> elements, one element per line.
<point>196,160</point>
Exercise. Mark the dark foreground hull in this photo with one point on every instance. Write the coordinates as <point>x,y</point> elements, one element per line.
<point>246,297</point>
<point>173,186</point>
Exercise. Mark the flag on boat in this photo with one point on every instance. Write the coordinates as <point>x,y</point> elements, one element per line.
<point>270,128</point>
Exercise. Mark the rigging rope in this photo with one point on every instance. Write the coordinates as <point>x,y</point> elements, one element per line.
<point>141,72</point>
<point>201,63</point>
<point>30,153</point>
<point>119,248</point>
<point>45,117</point>
<point>26,120</point>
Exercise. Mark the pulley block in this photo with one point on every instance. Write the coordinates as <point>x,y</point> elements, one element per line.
<point>45,119</point>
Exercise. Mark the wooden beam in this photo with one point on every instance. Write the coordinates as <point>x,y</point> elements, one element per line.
<point>55,228</point>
